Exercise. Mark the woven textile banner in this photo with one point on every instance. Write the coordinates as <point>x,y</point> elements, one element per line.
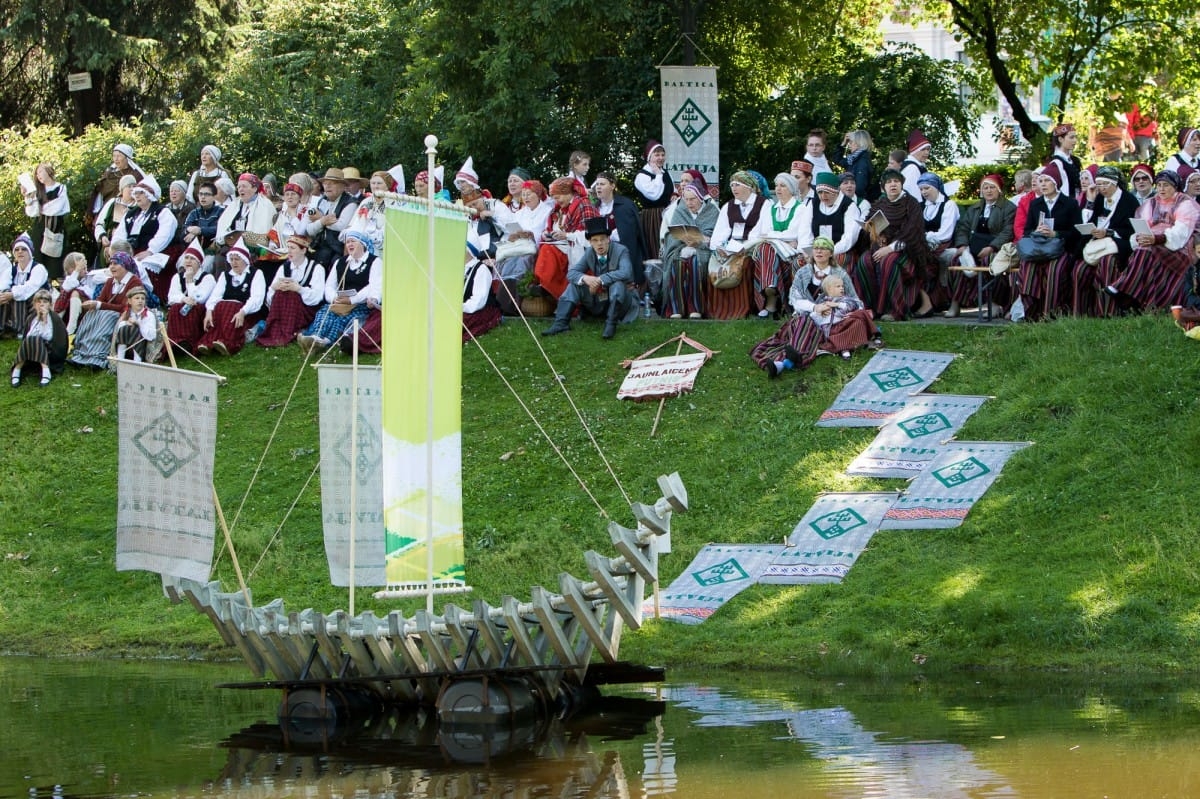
<point>915,435</point>
<point>690,124</point>
<point>422,395</point>
<point>883,387</point>
<point>943,494</point>
<point>829,539</point>
<point>352,455</point>
<point>654,378</point>
<point>168,425</point>
<point>718,573</point>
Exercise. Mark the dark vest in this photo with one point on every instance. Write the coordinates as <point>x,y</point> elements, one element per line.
<point>734,212</point>
<point>932,225</point>
<point>141,240</point>
<point>239,293</point>
<point>351,280</point>
<point>12,280</point>
<point>306,272</point>
<point>836,220</point>
<point>668,191</point>
<point>329,238</point>
<point>916,163</point>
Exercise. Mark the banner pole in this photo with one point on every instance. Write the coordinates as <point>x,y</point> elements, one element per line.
<point>431,143</point>
<point>353,458</point>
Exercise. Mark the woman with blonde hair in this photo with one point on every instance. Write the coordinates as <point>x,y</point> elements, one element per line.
<point>49,205</point>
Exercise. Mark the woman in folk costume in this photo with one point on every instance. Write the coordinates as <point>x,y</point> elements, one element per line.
<point>190,289</point>
<point>624,223</point>
<point>109,184</point>
<point>111,218</point>
<point>890,277</point>
<point>1157,266</point>
<point>294,294</point>
<point>353,286</point>
<point>684,256</point>
<point>1045,286</point>
<point>563,238</point>
<point>235,305</point>
<point>1112,213</point>
<point>49,205</point>
<point>654,190</point>
<point>24,278</point>
<point>136,328</point>
<point>515,184</point>
<point>480,310</point>
<point>249,211</point>
<point>210,170</point>
<point>941,215</point>
<point>93,337</point>
<point>786,231</point>
<point>742,220</point>
<point>798,341</point>
<point>982,229</point>
<point>516,258</point>
<point>1141,183</point>
<point>292,218</point>
<point>149,228</point>
<point>1064,138</point>
<point>370,218</point>
<point>421,185</point>
<point>43,342</point>
<point>836,216</point>
<point>913,165</point>
<point>1189,151</point>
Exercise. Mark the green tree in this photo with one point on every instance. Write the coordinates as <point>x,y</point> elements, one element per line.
<point>1085,46</point>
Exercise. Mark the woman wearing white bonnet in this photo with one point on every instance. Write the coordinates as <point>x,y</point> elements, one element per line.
<point>210,169</point>
<point>108,186</point>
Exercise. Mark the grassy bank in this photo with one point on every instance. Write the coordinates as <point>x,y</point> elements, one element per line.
<point>1082,556</point>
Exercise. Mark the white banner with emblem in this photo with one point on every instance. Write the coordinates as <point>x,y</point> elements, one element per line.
<point>690,123</point>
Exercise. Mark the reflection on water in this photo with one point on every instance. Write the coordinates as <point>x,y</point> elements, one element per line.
<point>101,729</point>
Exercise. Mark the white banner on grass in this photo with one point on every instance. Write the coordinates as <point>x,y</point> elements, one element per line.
<point>339,465</point>
<point>168,423</point>
<point>829,539</point>
<point>883,386</point>
<point>690,123</point>
<point>652,378</point>
<point>916,434</point>
<point>717,574</point>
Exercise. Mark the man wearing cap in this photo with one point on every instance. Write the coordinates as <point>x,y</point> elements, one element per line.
<point>982,229</point>
<point>597,282</point>
<point>135,328</point>
<point>331,215</point>
<point>836,217</point>
<point>919,150</point>
<point>1189,151</point>
<point>354,183</point>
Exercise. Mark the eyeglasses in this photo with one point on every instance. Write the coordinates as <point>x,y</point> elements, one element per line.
<point>207,194</point>
<point>1141,177</point>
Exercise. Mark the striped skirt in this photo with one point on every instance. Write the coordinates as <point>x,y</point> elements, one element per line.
<point>1154,277</point>
<point>798,332</point>
<point>887,286</point>
<point>93,338</point>
<point>726,304</point>
<point>1045,286</point>
<point>224,330</point>
<point>651,220</point>
<point>771,271</point>
<point>1089,297</point>
<point>853,332</point>
<point>683,287</point>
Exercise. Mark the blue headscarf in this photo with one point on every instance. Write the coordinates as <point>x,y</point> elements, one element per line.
<point>358,235</point>
<point>930,179</point>
<point>125,260</point>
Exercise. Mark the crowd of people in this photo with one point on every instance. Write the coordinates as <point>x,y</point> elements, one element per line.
<point>824,246</point>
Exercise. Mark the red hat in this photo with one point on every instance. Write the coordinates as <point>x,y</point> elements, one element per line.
<point>193,250</point>
<point>917,141</point>
<point>651,146</point>
<point>239,249</point>
<point>1184,135</point>
<point>1053,171</point>
<point>1142,168</point>
<point>1185,172</point>
<point>802,166</point>
<point>994,179</point>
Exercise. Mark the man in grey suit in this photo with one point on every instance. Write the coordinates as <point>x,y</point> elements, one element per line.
<point>598,282</point>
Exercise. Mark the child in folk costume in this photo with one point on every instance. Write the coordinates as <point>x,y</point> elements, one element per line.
<point>842,320</point>
<point>44,342</point>
<point>137,327</point>
<point>78,286</point>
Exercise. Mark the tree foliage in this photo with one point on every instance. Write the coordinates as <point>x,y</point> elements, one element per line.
<point>146,57</point>
<point>1096,47</point>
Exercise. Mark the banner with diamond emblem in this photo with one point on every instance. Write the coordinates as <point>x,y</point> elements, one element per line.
<point>348,455</point>
<point>690,123</point>
<point>942,495</point>
<point>883,387</point>
<point>167,423</point>
<point>829,539</point>
<point>717,574</point>
<point>916,434</point>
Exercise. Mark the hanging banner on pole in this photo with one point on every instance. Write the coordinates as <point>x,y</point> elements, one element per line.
<point>690,122</point>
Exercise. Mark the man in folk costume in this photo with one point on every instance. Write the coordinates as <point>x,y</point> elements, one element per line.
<point>564,234</point>
<point>919,150</point>
<point>234,306</point>
<point>654,189</point>
<point>149,227</point>
<point>597,283</point>
<point>333,213</point>
<point>294,295</point>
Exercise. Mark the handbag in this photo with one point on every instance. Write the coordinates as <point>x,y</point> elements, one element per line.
<point>515,248</point>
<point>1096,249</point>
<point>1004,259</point>
<point>52,243</point>
<point>726,273</point>
<point>1039,247</point>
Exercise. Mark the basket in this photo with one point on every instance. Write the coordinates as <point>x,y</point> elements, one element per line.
<point>537,306</point>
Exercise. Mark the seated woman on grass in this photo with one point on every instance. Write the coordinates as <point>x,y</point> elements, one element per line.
<point>19,283</point>
<point>93,337</point>
<point>190,289</point>
<point>235,305</point>
<point>352,288</point>
<point>43,343</point>
<point>294,295</point>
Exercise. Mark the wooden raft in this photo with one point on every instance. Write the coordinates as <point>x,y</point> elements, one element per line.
<point>549,638</point>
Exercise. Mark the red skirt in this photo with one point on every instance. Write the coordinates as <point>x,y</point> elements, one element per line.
<point>185,331</point>
<point>798,332</point>
<point>370,336</point>
<point>1155,276</point>
<point>550,269</point>
<point>287,317</point>
<point>853,332</point>
<point>728,304</point>
<point>480,322</point>
<point>224,330</point>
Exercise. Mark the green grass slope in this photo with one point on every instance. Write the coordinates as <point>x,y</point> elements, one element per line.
<point>1082,556</point>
